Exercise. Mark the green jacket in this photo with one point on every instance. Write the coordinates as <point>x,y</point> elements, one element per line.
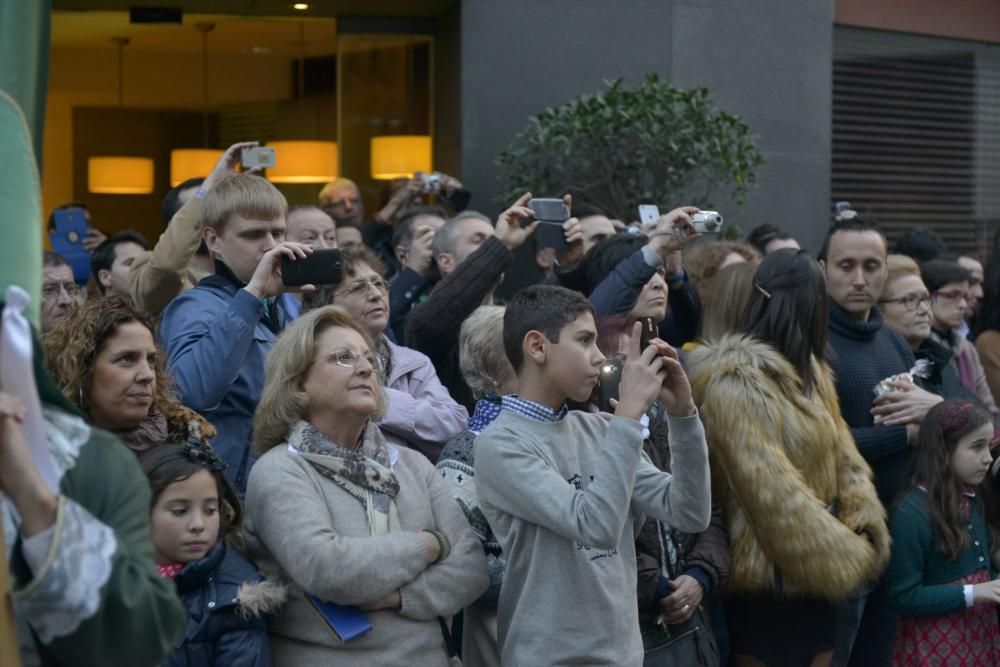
<point>98,599</point>
<point>920,576</point>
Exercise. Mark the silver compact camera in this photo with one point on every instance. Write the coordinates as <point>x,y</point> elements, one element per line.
<point>257,156</point>
<point>707,222</point>
<point>432,183</point>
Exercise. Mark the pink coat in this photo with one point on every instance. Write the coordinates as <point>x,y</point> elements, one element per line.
<point>421,414</point>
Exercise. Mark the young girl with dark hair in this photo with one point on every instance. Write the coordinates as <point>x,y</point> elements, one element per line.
<point>942,579</point>
<point>195,519</point>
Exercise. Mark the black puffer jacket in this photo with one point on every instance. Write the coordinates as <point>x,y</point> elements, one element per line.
<point>228,602</point>
<point>708,550</point>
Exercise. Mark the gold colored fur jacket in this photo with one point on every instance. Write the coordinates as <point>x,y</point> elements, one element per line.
<point>797,496</point>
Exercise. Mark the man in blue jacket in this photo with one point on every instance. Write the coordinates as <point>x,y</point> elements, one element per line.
<point>217,334</point>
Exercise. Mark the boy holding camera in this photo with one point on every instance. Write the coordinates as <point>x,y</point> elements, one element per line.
<point>562,489</point>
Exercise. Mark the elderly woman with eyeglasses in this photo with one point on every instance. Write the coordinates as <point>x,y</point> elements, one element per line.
<point>421,413</point>
<point>343,516</point>
<point>915,303</point>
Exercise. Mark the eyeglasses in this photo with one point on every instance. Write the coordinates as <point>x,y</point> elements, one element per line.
<point>52,290</point>
<point>340,203</point>
<point>953,295</point>
<point>362,286</point>
<point>348,359</point>
<point>910,301</point>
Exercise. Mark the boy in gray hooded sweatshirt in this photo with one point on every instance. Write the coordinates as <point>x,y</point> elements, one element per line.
<point>561,489</point>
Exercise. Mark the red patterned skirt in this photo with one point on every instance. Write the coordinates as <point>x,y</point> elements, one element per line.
<point>969,638</point>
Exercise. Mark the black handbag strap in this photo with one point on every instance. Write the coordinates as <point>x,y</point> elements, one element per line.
<point>449,640</point>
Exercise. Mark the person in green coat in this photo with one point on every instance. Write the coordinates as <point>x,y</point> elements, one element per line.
<point>74,503</point>
<point>81,560</point>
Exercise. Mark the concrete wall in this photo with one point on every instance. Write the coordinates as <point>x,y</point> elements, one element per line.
<point>768,61</point>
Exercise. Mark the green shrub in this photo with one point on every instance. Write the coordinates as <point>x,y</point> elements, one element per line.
<point>623,147</point>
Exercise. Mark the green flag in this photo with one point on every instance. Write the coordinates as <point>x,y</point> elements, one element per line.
<point>24,65</point>
<point>20,207</point>
<point>24,60</point>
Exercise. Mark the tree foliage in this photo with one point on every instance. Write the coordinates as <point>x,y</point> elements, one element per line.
<point>623,147</point>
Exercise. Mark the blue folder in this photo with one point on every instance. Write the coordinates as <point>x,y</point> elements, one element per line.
<point>347,621</point>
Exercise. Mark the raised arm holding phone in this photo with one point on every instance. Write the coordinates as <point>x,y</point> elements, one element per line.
<point>217,334</point>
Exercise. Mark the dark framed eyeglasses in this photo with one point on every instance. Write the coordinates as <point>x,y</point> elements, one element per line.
<point>910,301</point>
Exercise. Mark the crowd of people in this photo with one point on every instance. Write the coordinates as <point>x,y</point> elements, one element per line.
<point>674,450</point>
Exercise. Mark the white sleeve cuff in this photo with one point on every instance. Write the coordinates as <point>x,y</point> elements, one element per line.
<point>651,257</point>
<point>968,594</point>
<point>35,549</point>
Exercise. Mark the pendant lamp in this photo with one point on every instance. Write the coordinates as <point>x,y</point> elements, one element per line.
<point>114,174</point>
<point>188,163</point>
<point>118,175</point>
<point>303,161</point>
<point>399,156</point>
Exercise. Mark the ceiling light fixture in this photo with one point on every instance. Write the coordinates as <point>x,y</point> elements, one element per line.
<point>309,161</point>
<point>115,174</point>
<point>301,6</point>
<point>399,156</point>
<point>188,163</point>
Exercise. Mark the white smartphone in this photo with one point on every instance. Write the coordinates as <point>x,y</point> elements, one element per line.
<point>648,213</point>
<point>257,156</point>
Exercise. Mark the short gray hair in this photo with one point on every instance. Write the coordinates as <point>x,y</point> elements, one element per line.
<point>446,238</point>
<point>481,355</point>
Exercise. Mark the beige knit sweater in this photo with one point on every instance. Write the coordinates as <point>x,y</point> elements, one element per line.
<point>306,530</point>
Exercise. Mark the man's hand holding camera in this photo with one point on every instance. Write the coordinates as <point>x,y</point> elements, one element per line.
<point>420,256</point>
<point>514,225</point>
<point>266,281</point>
<point>228,163</point>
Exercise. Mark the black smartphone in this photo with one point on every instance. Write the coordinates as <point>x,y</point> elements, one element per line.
<point>650,330</point>
<point>549,210</point>
<point>323,267</point>
<point>607,384</point>
<point>550,235</point>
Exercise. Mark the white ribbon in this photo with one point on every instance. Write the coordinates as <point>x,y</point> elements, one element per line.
<point>17,377</point>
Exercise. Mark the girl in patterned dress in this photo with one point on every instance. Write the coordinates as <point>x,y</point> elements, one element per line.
<point>942,580</point>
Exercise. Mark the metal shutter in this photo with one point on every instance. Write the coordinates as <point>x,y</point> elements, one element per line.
<point>916,133</point>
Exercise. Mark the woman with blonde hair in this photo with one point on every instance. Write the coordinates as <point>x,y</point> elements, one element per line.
<point>731,289</point>
<point>345,518</point>
<point>104,358</point>
<point>704,260</point>
<point>421,414</point>
<point>488,373</point>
